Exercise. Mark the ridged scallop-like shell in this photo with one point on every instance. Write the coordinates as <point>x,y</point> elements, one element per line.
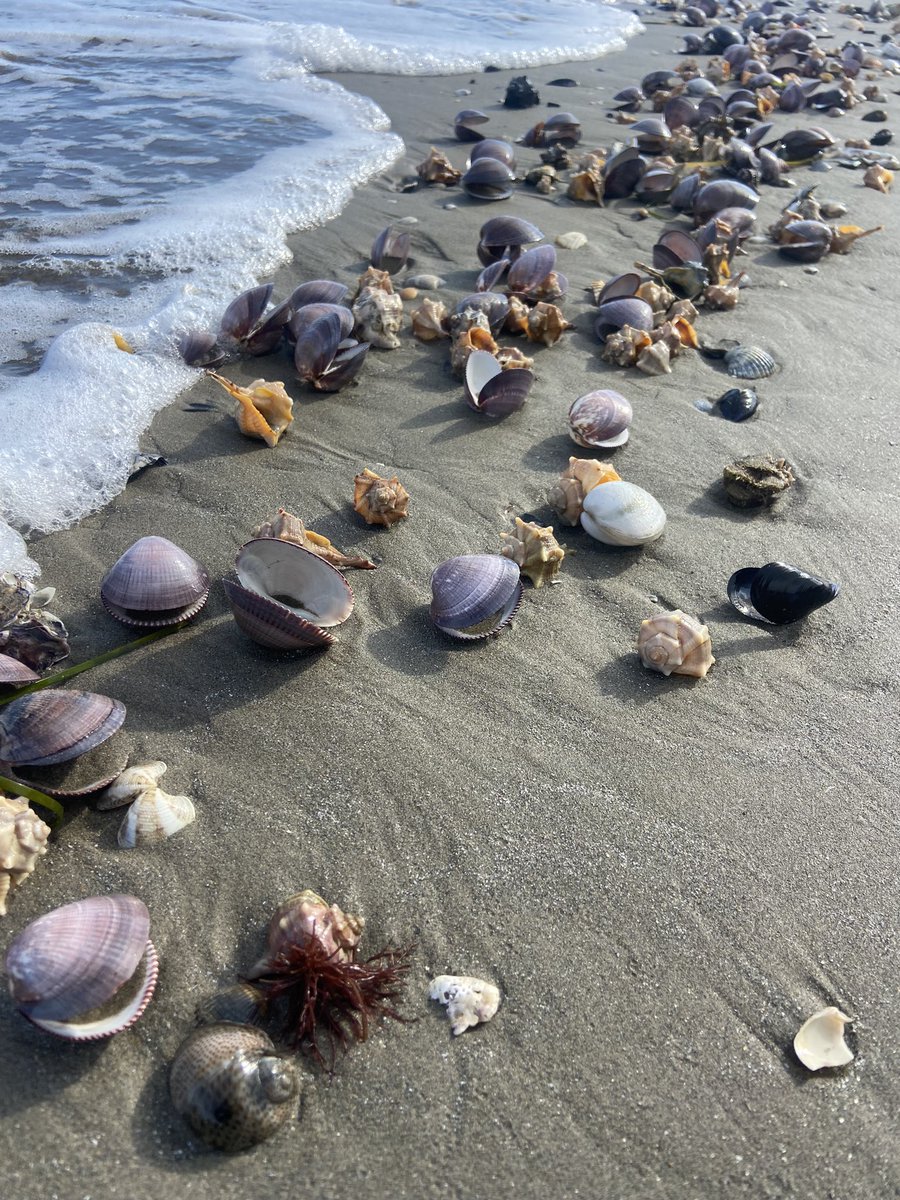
<point>475,595</point>
<point>231,1086</point>
<point>566,497</point>
<point>23,839</point>
<point>674,643</point>
<point>130,784</point>
<point>56,725</point>
<point>600,419</point>
<point>749,362</point>
<point>86,970</point>
<point>622,514</point>
<point>154,583</point>
<point>154,817</point>
<point>469,1001</point>
<point>14,674</point>
<point>491,390</point>
<point>820,1040</point>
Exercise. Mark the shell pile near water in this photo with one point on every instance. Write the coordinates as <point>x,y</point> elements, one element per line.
<point>265,410</point>
<point>600,420</point>
<point>566,497</point>
<point>291,529</point>
<point>475,595</point>
<point>469,1001</point>
<point>325,355</point>
<point>622,514</point>
<point>153,815</point>
<point>154,583</point>
<point>62,742</point>
<point>86,970</point>
<point>534,550</point>
<point>23,839</point>
<point>820,1040</point>
<point>231,1086</point>
<point>674,643</point>
<point>29,633</point>
<point>778,593</point>
<point>286,597</point>
<point>379,501</point>
<point>491,390</point>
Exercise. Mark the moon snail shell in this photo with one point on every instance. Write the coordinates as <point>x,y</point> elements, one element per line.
<point>622,514</point>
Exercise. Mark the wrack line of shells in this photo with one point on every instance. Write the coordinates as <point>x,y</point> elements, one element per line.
<point>701,139</point>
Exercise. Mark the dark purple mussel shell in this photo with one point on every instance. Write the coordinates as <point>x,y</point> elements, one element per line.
<point>318,291</point>
<point>659,81</point>
<point>561,129</point>
<point>491,274</point>
<point>681,111</point>
<point>532,270</point>
<point>475,595</point>
<point>675,247</point>
<point>491,390</point>
<point>267,334</point>
<point>805,241</point>
<point>286,597</point>
<point>723,36</point>
<point>720,194</point>
<point>619,287</point>
<point>494,148</point>
<point>623,172</point>
<point>504,237</point>
<point>629,99</point>
<point>488,179</point>
<point>154,583</point>
<point>199,349</point>
<point>778,593</point>
<point>656,184</point>
<point>682,197</point>
<point>465,124</point>
<point>244,313</point>
<point>792,98</point>
<point>738,404</point>
<point>86,970</point>
<point>306,316</point>
<point>613,314</point>
<point>390,250</point>
<point>799,145</point>
<point>325,356</point>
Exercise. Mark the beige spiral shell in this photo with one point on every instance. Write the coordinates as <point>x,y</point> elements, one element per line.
<point>675,644</point>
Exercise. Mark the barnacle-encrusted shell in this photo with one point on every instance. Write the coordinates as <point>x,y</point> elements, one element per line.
<point>580,476</point>
<point>379,501</point>
<point>430,320</point>
<point>378,316</point>
<point>23,839</point>
<point>265,410</point>
<point>534,550</point>
<point>622,514</point>
<point>751,482</point>
<point>820,1040</point>
<point>289,528</point>
<point>437,168</point>
<point>675,644</point>
<point>231,1086</point>
<point>469,1001</point>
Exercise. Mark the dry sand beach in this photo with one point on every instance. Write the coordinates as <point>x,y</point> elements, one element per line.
<point>665,877</point>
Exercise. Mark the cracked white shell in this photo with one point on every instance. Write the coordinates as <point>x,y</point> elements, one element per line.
<point>820,1040</point>
<point>469,1001</point>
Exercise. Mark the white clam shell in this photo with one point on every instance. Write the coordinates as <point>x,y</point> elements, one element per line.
<point>154,817</point>
<point>469,1001</point>
<point>820,1040</point>
<point>622,514</point>
<point>132,782</point>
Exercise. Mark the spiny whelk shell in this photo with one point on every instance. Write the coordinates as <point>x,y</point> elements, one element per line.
<point>23,839</point>
<point>820,1040</point>
<point>622,514</point>
<point>469,1001</point>
<point>675,644</point>
<point>581,476</point>
<point>379,501</point>
<point>534,550</point>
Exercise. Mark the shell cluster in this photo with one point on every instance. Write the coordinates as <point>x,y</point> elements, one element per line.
<point>153,815</point>
<point>32,639</point>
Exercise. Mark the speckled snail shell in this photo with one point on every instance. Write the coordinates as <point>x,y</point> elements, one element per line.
<point>675,644</point>
<point>231,1086</point>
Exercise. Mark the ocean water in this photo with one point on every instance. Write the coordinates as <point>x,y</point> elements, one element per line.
<point>154,164</point>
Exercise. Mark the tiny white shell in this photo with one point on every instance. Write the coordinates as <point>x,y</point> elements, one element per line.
<point>469,1001</point>
<point>153,817</point>
<point>425,283</point>
<point>622,514</point>
<point>820,1040</point>
<point>571,241</point>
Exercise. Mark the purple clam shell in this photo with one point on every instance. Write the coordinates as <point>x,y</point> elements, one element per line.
<point>390,250</point>
<point>306,315</point>
<point>494,305</point>
<point>318,342</point>
<point>14,673</point>
<point>491,390</point>
<point>682,198</point>
<point>612,315</point>
<point>531,268</point>
<point>809,241</point>
<point>619,287</point>
<point>488,179</point>
<point>271,624</point>
<point>73,962</point>
<point>300,582</point>
<point>509,231</point>
<point>243,313</point>
<point>622,173</point>
<point>491,274</point>
<point>680,246</point>
<point>266,336</point>
<point>600,419</point>
<point>154,583</point>
<point>475,595</point>
<point>464,124</point>
<point>720,194</point>
<point>493,148</point>
<point>199,349</point>
<point>318,291</point>
<point>56,725</point>
<point>345,366</point>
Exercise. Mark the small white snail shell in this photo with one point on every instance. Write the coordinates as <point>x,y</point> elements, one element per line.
<point>675,644</point>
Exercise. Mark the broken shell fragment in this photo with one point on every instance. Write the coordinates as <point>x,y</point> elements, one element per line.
<point>756,481</point>
<point>534,550</point>
<point>379,501</point>
<point>469,1001</point>
<point>600,419</point>
<point>23,839</point>
<point>820,1040</point>
<point>291,529</point>
<point>154,583</point>
<point>778,593</point>
<point>566,497</point>
<point>674,643</point>
<point>622,514</point>
<point>475,595</point>
<point>265,410</point>
<point>491,390</point>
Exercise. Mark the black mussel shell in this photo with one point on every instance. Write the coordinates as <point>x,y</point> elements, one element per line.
<point>521,93</point>
<point>778,592</point>
<point>738,404</point>
<point>881,138</point>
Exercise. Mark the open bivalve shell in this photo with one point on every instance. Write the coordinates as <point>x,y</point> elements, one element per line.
<point>491,390</point>
<point>475,595</point>
<point>287,597</point>
<point>154,583</point>
<point>86,970</point>
<point>778,593</point>
<point>622,514</point>
<point>820,1040</point>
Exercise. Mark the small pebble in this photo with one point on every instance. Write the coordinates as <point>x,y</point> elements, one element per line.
<point>463,92</point>
<point>571,241</point>
<point>407,221</point>
<point>450,207</point>
<point>811,270</point>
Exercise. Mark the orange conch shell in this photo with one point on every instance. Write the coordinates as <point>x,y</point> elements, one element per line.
<point>534,550</point>
<point>379,501</point>
<point>264,409</point>
<point>675,644</point>
<point>580,476</point>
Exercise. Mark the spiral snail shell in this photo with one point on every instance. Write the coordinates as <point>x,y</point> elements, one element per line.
<point>675,644</point>
<point>231,1086</point>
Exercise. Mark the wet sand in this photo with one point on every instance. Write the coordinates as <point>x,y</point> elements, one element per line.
<point>664,877</point>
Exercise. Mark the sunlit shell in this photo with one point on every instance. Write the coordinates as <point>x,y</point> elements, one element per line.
<point>469,1001</point>
<point>429,320</point>
<point>534,550</point>
<point>675,644</point>
<point>622,514</point>
<point>379,501</point>
<point>14,674</point>
<point>265,410</point>
<point>154,583</point>
<point>655,359</point>
<point>55,725</point>
<point>130,784</point>
<point>545,323</point>
<point>23,839</point>
<point>437,168</point>
<point>573,240</point>
<point>820,1040</point>
<point>474,595</point>
<point>567,495</point>
<point>153,817</point>
<point>291,529</point>
<point>600,419</point>
<point>491,390</point>
<point>378,316</point>
<point>749,362</point>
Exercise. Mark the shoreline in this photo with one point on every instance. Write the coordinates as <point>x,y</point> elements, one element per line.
<point>665,878</point>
